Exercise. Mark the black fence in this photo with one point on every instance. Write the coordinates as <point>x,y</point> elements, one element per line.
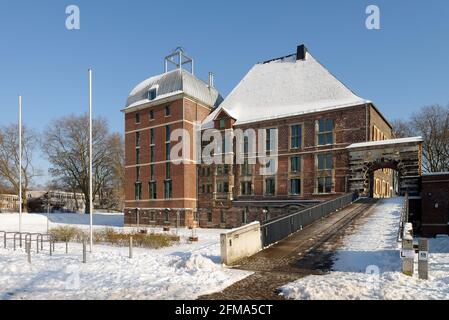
<point>274,231</point>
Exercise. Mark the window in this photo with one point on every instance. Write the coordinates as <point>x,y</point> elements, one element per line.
<point>151,114</point>
<point>222,216</point>
<point>167,171</point>
<point>138,191</point>
<point>295,164</point>
<point>167,216</point>
<point>152,154</point>
<point>222,123</point>
<point>324,184</point>
<point>167,133</point>
<point>137,173</point>
<point>151,136</point>
<point>152,94</point>
<point>246,188</point>
<point>168,189</point>
<point>269,139</point>
<point>167,111</point>
<point>137,139</point>
<point>152,216</point>
<point>153,191</point>
<point>245,145</point>
<point>296,136</point>
<point>325,132</point>
<point>209,216</point>
<point>324,170</point>
<point>325,161</point>
<point>137,117</point>
<point>222,186</point>
<point>270,187</point>
<point>138,156</point>
<point>209,188</point>
<point>295,186</point>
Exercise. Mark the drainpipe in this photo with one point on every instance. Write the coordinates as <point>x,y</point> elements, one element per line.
<point>367,122</point>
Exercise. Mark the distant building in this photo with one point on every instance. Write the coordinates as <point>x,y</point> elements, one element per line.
<point>9,203</point>
<point>56,201</point>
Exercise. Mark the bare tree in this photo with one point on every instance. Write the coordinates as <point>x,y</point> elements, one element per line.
<point>9,159</point>
<point>401,129</point>
<point>432,123</point>
<point>66,144</point>
<point>116,189</point>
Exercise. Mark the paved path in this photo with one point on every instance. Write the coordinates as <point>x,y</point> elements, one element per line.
<point>295,257</point>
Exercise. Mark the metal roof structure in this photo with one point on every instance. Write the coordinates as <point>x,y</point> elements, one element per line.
<point>173,83</point>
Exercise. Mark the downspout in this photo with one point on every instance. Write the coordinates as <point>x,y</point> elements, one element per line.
<point>367,122</point>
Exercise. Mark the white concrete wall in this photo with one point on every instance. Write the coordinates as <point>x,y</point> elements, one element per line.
<point>240,243</point>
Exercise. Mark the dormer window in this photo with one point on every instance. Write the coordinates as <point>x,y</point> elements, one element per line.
<point>152,94</point>
<point>222,123</point>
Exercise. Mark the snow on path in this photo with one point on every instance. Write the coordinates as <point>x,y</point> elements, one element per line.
<point>183,271</point>
<point>374,244</point>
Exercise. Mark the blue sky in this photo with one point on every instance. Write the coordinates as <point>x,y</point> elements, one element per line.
<point>401,67</point>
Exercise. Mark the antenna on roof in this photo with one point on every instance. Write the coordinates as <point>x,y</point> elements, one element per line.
<point>179,59</point>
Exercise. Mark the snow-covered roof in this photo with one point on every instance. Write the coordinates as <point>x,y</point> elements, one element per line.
<point>384,142</point>
<point>285,87</point>
<point>436,174</point>
<point>170,84</point>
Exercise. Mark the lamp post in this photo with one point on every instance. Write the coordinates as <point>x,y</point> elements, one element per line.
<point>90,162</point>
<point>20,163</point>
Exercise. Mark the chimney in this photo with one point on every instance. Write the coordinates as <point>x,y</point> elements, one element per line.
<point>211,80</point>
<point>301,52</point>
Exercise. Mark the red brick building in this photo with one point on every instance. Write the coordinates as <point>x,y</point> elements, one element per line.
<point>435,204</point>
<point>314,115</point>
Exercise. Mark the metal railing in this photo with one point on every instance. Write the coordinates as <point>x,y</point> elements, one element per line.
<point>404,217</point>
<point>278,229</point>
<point>19,237</point>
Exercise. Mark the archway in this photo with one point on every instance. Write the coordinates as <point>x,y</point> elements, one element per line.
<point>382,178</point>
<point>402,155</point>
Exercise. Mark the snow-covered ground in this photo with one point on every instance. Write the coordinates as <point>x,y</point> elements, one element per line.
<point>368,266</point>
<point>183,271</point>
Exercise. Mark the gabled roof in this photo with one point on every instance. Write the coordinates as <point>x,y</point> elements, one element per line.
<point>285,87</point>
<point>172,83</point>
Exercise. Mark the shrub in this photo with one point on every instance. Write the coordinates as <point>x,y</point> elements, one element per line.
<point>67,234</point>
<point>111,236</point>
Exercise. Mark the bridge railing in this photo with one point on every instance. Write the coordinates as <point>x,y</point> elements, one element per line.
<point>274,231</point>
<point>404,216</point>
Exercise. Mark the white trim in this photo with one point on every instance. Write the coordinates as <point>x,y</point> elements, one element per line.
<point>159,125</point>
<point>160,200</point>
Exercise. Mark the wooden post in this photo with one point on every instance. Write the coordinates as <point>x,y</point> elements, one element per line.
<point>84,251</point>
<point>423,259</point>
<point>28,250</point>
<point>130,247</point>
<point>51,247</point>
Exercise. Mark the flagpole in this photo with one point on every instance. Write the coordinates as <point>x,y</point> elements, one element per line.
<point>90,160</point>
<point>20,163</point>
